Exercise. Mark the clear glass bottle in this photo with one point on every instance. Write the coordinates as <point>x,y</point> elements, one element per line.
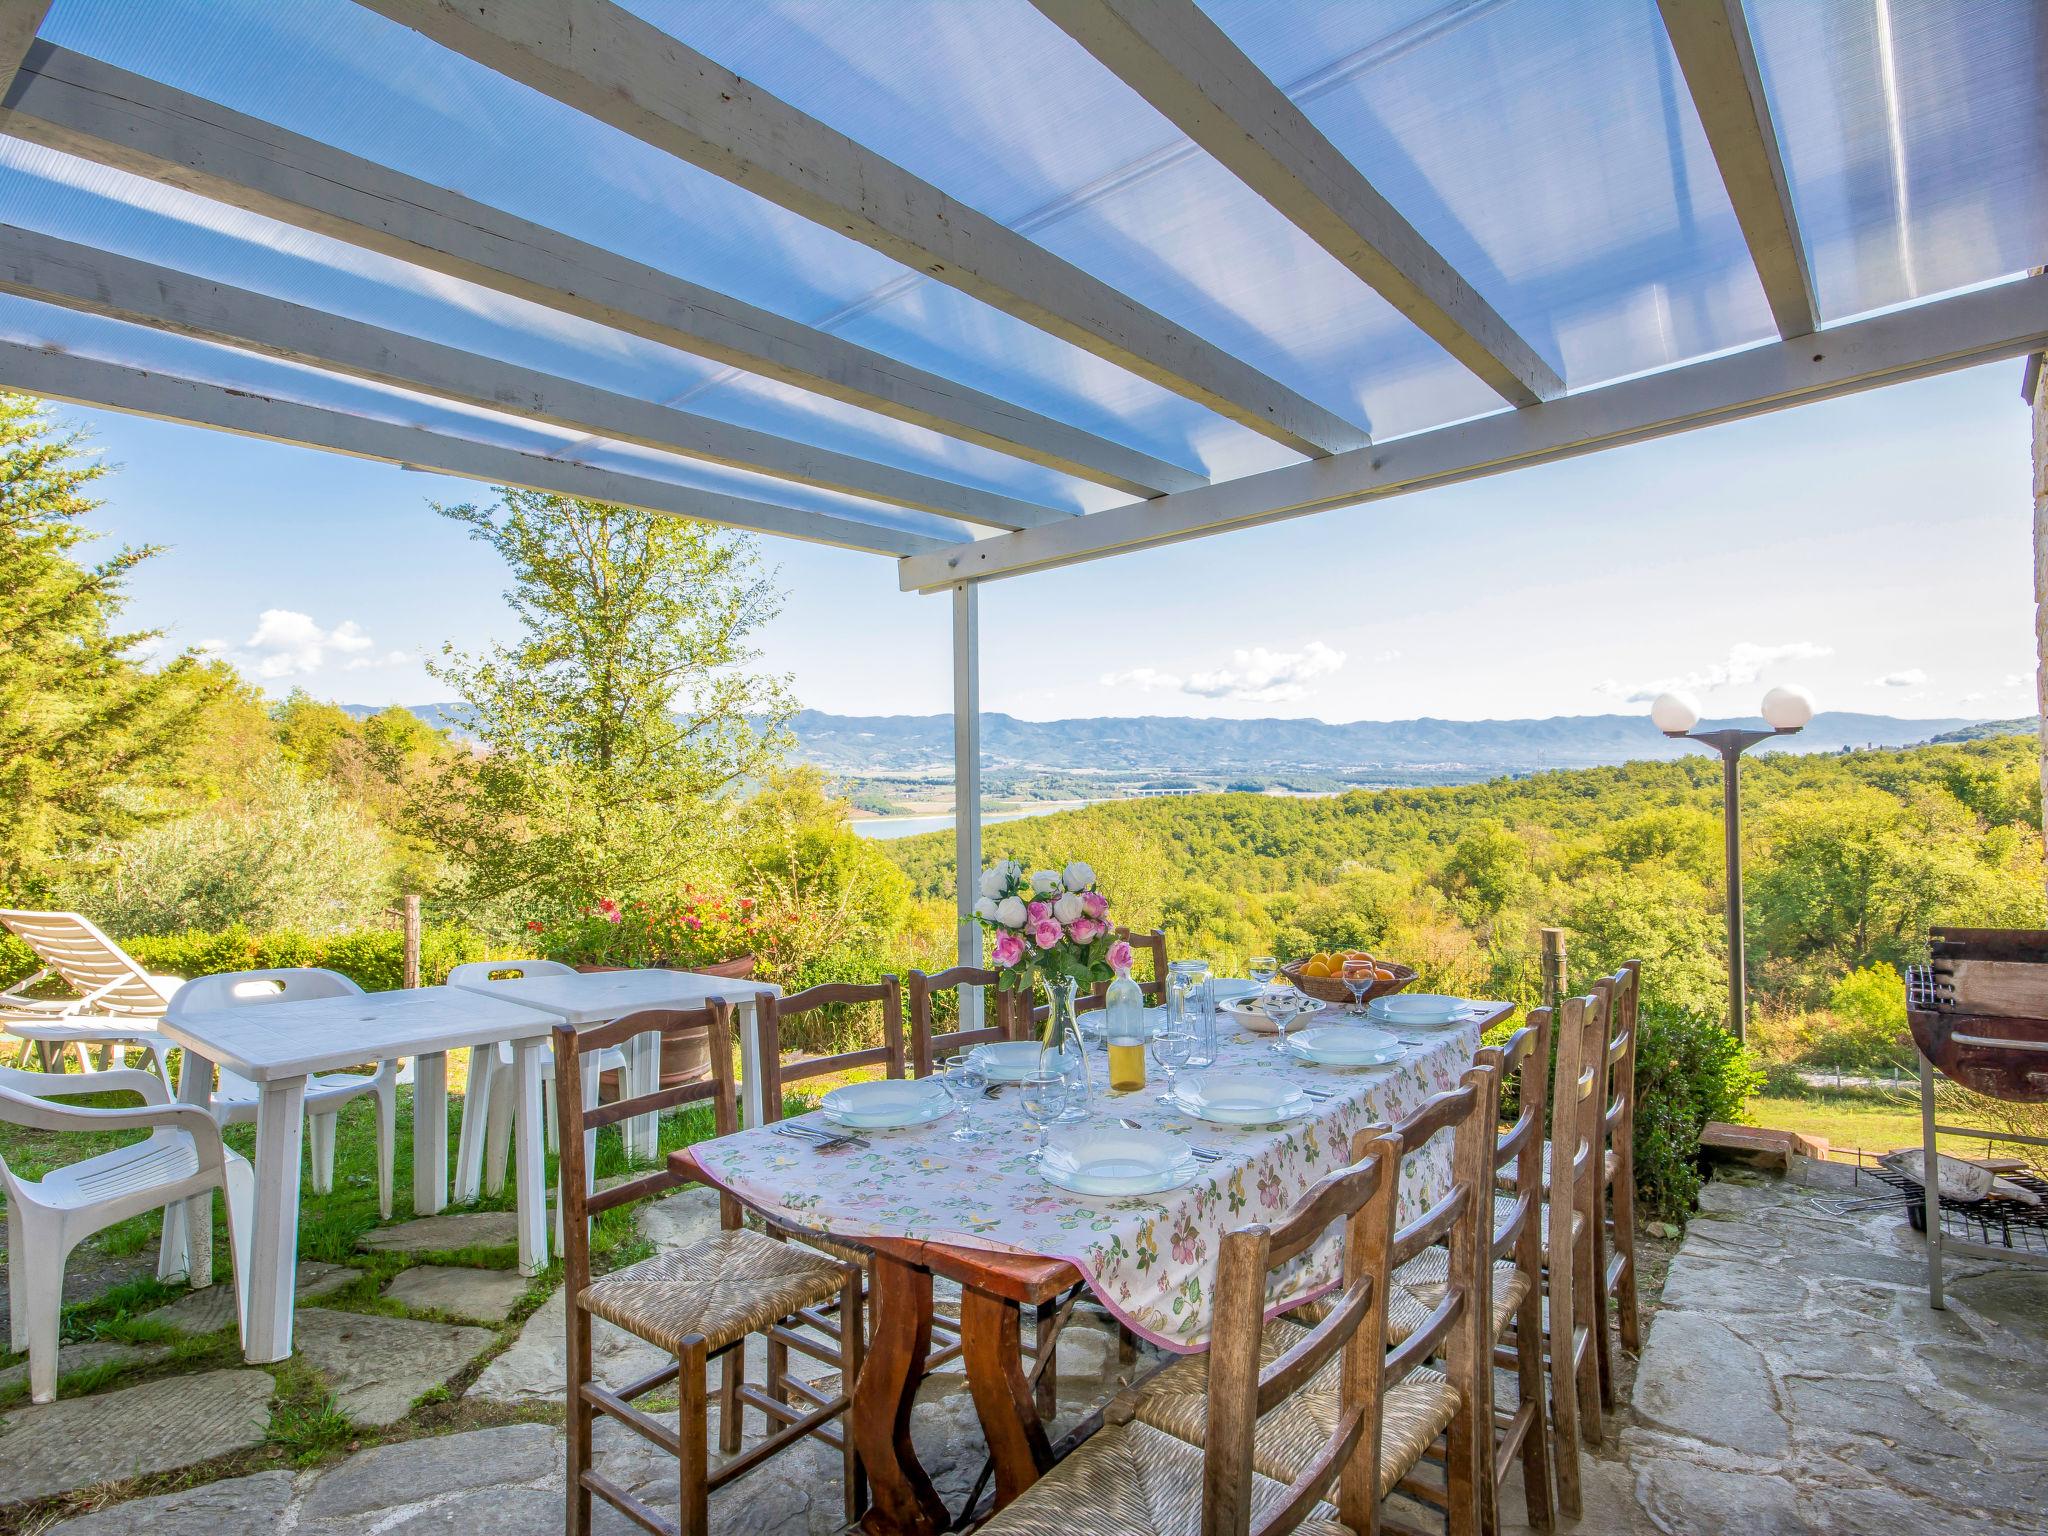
<point>1123,1026</point>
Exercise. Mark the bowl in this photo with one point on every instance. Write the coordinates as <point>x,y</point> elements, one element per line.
<point>1330,989</point>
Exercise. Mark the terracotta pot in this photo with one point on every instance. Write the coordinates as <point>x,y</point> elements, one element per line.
<point>685,1058</point>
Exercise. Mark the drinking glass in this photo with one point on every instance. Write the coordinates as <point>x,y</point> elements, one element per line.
<point>1357,979</point>
<point>1170,1048</point>
<point>1262,968</point>
<point>1042,1099</point>
<point>964,1081</point>
<point>1284,1013</point>
<point>1197,1013</point>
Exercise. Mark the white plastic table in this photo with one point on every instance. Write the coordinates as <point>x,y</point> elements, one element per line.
<point>278,1045</point>
<point>598,997</point>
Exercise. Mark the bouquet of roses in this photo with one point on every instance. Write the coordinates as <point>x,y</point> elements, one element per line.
<point>1050,924</point>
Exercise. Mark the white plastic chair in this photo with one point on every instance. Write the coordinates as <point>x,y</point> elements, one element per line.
<point>117,1005</point>
<point>492,1098</point>
<point>48,1217</point>
<point>235,1097</point>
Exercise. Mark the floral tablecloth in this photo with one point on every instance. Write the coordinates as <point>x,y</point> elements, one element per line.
<point>1150,1259</point>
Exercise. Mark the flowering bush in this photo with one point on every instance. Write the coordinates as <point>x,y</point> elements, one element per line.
<point>1048,924</point>
<point>699,928</point>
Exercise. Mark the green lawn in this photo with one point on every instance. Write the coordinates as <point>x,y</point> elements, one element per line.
<point>1876,1120</point>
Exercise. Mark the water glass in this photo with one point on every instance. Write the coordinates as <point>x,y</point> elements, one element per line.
<point>1171,1048</point>
<point>1262,969</point>
<point>964,1082</point>
<point>1042,1099</point>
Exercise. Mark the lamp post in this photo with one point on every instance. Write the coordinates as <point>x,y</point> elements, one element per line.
<point>1786,711</point>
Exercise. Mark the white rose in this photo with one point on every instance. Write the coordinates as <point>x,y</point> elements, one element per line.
<point>1010,913</point>
<point>1067,908</point>
<point>985,909</point>
<point>1045,882</point>
<point>1078,876</point>
<point>1011,870</point>
<point>992,883</point>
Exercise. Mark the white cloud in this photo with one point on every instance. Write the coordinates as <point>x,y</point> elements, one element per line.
<point>1971,698</point>
<point>1381,658</point>
<point>1911,677</point>
<point>2018,680</point>
<point>1747,662</point>
<point>289,644</point>
<point>1256,676</point>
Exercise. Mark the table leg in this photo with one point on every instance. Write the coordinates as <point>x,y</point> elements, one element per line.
<point>274,1235</point>
<point>187,1245</point>
<point>747,1012</point>
<point>530,1158</point>
<point>1002,1392</point>
<point>429,1133</point>
<point>643,1132</point>
<point>484,1073</point>
<point>903,1499</point>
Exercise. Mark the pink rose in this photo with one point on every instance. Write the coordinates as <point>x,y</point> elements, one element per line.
<point>612,916</point>
<point>1039,911</point>
<point>1095,904</point>
<point>1009,950</point>
<point>1120,955</point>
<point>1082,930</point>
<point>1045,934</point>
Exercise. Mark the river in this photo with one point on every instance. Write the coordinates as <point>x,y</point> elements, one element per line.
<point>910,826</point>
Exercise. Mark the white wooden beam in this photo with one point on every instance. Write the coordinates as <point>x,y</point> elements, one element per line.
<point>1711,39</point>
<point>89,381</point>
<point>1186,66</point>
<point>604,61</point>
<point>37,266</point>
<point>967,782</point>
<point>84,107</point>
<point>1935,337</point>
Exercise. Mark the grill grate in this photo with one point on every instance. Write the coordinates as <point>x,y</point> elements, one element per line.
<point>1994,1220</point>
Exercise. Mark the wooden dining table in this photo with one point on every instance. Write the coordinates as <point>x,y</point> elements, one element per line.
<point>1002,1285</point>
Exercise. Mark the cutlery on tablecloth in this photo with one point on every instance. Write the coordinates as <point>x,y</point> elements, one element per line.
<point>1199,1154</point>
<point>820,1138</point>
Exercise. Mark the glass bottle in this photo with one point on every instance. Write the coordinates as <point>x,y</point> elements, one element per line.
<point>1123,1025</point>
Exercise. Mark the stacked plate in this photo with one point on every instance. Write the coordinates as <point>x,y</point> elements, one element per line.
<point>885,1105</point>
<point>1111,1162</point>
<point>1345,1045</point>
<point>1006,1061</point>
<point>1230,1098</point>
<point>1417,1010</point>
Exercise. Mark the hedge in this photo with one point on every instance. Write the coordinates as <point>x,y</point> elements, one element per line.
<point>373,958</point>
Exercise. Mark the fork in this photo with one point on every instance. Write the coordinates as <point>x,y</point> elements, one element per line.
<point>818,1138</point>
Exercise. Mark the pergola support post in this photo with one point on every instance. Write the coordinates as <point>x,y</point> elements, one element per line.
<point>967,784</point>
<point>2037,378</point>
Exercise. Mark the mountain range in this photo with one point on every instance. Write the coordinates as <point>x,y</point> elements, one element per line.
<point>888,745</point>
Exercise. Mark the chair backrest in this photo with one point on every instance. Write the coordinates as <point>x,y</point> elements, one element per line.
<point>472,971</point>
<point>255,989</point>
<point>1618,995</point>
<point>715,1020</point>
<point>1523,1060</point>
<point>90,963</point>
<point>1576,1097</point>
<point>770,1013</point>
<point>1242,1390</point>
<point>926,1045</point>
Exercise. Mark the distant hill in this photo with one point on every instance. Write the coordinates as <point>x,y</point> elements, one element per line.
<point>1983,729</point>
<point>1166,744</point>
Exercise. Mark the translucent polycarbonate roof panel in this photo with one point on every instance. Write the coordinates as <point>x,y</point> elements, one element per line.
<point>1548,150</point>
<point>43,325</point>
<point>1915,137</point>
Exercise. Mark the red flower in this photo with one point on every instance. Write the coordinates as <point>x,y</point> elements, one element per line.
<point>692,923</point>
<point>746,903</point>
<point>607,906</point>
<point>535,925</point>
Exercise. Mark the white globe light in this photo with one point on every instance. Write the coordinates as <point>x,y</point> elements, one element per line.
<point>1675,713</point>
<point>1787,709</point>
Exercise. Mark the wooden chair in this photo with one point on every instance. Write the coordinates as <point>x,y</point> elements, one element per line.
<point>699,1302</point>
<point>928,1046</point>
<point>1614,1246</point>
<point>1254,1437</point>
<point>1153,944</point>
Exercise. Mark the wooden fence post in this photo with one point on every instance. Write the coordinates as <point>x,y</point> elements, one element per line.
<point>1553,966</point>
<point>412,942</point>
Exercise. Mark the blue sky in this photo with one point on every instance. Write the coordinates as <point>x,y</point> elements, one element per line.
<point>1876,548</point>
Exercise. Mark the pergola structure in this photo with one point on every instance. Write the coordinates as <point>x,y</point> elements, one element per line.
<point>989,287</point>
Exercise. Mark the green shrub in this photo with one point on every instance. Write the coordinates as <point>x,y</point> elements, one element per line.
<point>1688,1071</point>
<point>373,958</point>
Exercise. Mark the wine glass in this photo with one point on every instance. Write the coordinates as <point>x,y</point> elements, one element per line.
<point>964,1082</point>
<point>1044,1095</point>
<point>1262,969</point>
<point>1358,978</point>
<point>1170,1048</point>
<point>1285,1011</point>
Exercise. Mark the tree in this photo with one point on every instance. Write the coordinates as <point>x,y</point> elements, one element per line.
<point>89,737</point>
<point>622,718</point>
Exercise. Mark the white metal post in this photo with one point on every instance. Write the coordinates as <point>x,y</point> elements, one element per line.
<point>967,784</point>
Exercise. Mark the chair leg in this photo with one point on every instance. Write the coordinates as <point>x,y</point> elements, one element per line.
<point>693,1470</point>
<point>1529,1389</point>
<point>732,1375</point>
<point>17,1283</point>
<point>320,1128</point>
<point>238,1190</point>
<point>498,1129</point>
<point>1603,1349</point>
<point>576,1518</point>
<point>387,1143</point>
<point>476,1112</point>
<point>42,1311</point>
<point>1564,1403</point>
<point>1631,1318</point>
<point>852,1331</point>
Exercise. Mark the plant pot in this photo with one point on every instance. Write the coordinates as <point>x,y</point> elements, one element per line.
<point>685,1057</point>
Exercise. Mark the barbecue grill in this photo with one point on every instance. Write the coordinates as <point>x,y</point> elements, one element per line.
<point>1979,1015</point>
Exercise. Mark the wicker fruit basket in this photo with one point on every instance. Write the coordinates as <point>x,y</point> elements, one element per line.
<point>1330,989</point>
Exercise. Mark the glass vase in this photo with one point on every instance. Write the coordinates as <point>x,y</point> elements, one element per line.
<point>1061,1048</point>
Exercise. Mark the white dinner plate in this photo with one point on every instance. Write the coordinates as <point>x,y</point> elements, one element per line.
<point>880,1106</point>
<point>1113,1161</point>
<point>1230,1098</point>
<point>1007,1061</point>
<point>1295,1111</point>
<point>1416,1008</point>
<point>1345,1045</point>
<point>1228,989</point>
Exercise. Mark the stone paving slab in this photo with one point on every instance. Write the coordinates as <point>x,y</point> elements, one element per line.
<point>159,1426</point>
<point>444,1233</point>
<point>83,1357</point>
<point>378,1365</point>
<point>212,1308</point>
<point>487,1295</point>
<point>535,1367</point>
<point>235,1506</point>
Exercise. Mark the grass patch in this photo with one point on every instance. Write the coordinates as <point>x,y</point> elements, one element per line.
<point>1875,1120</point>
<point>305,1426</point>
